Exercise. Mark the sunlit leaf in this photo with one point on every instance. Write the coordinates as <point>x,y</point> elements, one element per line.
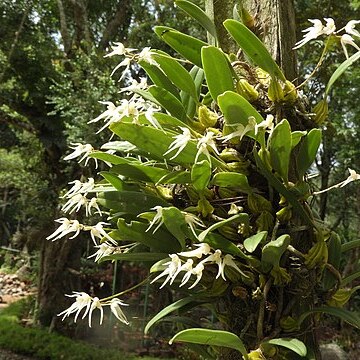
<point>201,174</point>
<point>175,222</point>
<point>294,345</point>
<point>134,256</point>
<point>253,47</point>
<point>232,180</point>
<point>212,338</point>
<point>217,70</point>
<point>252,242</point>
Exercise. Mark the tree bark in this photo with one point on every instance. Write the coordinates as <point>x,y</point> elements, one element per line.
<point>275,25</point>
<point>66,38</point>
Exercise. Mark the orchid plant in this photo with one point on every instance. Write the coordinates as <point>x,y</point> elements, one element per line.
<point>206,180</point>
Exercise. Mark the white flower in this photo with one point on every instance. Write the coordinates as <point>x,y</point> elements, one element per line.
<point>80,149</point>
<point>67,226</point>
<point>74,189</point>
<point>329,27</point>
<point>267,124</point>
<point>187,266</point>
<point>119,49</point>
<point>87,186</point>
<point>352,177</point>
<point>311,33</point>
<point>96,304</point>
<point>98,231</point>
<point>192,220</point>
<point>74,203</point>
<point>197,271</point>
<point>217,259</point>
<point>80,188</point>
<point>117,311</point>
<point>112,114</point>
<point>202,249</point>
<point>142,85</point>
<point>204,144</point>
<point>350,28</point>
<point>104,249</point>
<point>346,39</point>
<point>149,115</point>
<point>229,261</point>
<point>146,55</point>
<point>126,62</point>
<point>241,130</point>
<point>179,143</point>
<point>170,270</point>
<point>92,203</point>
<point>157,218</point>
<point>82,300</point>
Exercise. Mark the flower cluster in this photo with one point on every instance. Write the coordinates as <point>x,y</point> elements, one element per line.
<point>89,304</point>
<point>329,28</point>
<point>176,265</point>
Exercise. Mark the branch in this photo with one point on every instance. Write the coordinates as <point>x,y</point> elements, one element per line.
<point>81,22</point>
<point>63,28</point>
<point>18,123</point>
<point>120,20</point>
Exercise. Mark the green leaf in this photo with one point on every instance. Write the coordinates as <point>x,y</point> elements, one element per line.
<point>176,73</point>
<point>308,150</point>
<point>350,278</point>
<point>280,148</point>
<point>217,241</point>
<point>156,142</point>
<point>273,251</point>
<point>201,174</point>
<point>165,120</point>
<point>113,179</point>
<point>212,338</point>
<point>294,345</point>
<point>176,177</point>
<point>112,159</point>
<point>140,172</point>
<point>135,231</point>
<point>237,110</point>
<point>217,70</point>
<point>232,180</point>
<point>167,310</point>
<point>168,101</point>
<point>129,256</point>
<point>215,226</point>
<point>253,48</point>
<point>350,245</point>
<point>340,70</point>
<point>198,14</point>
<point>175,222</point>
<point>158,77</point>
<point>252,242</point>
<point>188,102</point>
<point>277,185</point>
<point>350,317</point>
<point>188,46</point>
<point>296,137</point>
<point>129,202</point>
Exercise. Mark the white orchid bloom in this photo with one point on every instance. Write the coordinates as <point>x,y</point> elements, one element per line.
<point>346,39</point>
<point>75,189</point>
<point>111,115</point>
<point>329,27</point>
<point>82,300</point>
<point>135,85</point>
<point>157,219</point>
<point>198,272</point>
<point>350,28</point>
<point>97,231</point>
<point>119,49</point>
<point>67,226</point>
<point>126,62</point>
<point>352,177</point>
<point>74,203</point>
<point>179,143</point>
<point>204,144</point>
<point>83,150</point>
<point>267,124</point>
<point>149,115</point>
<point>202,249</point>
<point>92,203</point>
<point>187,266</point>
<point>192,221</point>
<point>311,33</point>
<point>146,55</point>
<point>241,130</point>
<point>229,261</point>
<point>104,249</point>
<point>117,311</point>
<point>170,270</point>
<point>96,304</point>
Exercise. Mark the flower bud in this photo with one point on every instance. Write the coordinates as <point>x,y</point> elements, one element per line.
<point>275,91</point>
<point>290,92</point>
<point>321,112</point>
<point>207,117</point>
<point>248,91</point>
<point>230,154</point>
<point>284,214</point>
